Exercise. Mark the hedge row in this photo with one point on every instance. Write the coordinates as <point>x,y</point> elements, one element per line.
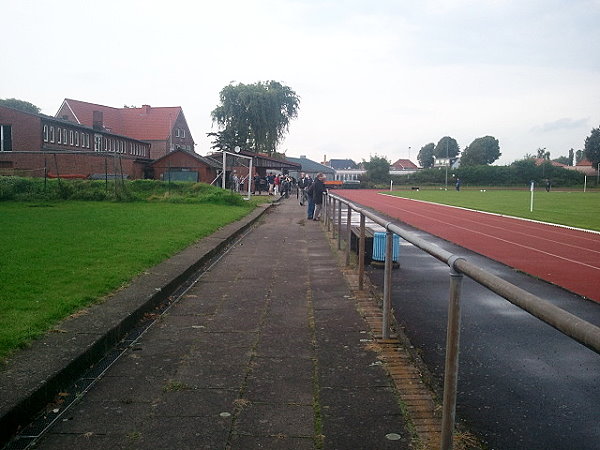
<point>520,173</point>
<point>38,189</point>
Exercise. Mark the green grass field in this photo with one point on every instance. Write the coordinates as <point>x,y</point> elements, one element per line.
<point>576,209</point>
<point>59,257</point>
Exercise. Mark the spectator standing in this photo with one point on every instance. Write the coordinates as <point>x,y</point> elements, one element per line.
<point>318,189</point>
<point>308,193</point>
<point>271,181</point>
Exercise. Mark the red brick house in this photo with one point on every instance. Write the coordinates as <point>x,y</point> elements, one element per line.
<point>404,164</point>
<point>181,165</point>
<point>585,166</point>
<point>34,145</point>
<point>165,128</point>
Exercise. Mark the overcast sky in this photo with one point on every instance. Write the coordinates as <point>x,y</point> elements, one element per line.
<point>375,77</point>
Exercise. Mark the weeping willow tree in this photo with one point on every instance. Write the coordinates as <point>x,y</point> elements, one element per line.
<point>254,116</point>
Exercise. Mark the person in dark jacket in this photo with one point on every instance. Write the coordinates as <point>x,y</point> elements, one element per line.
<point>318,188</point>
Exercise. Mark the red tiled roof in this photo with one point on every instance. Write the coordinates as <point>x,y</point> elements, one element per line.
<point>540,161</point>
<point>145,123</point>
<point>584,163</point>
<point>404,164</point>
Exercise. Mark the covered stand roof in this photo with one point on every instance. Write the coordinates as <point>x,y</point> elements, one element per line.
<point>262,161</point>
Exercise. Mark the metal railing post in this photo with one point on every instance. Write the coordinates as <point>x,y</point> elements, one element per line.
<point>339,225</point>
<point>325,206</point>
<point>387,285</point>
<point>348,233</point>
<point>328,215</point>
<point>452,351</point>
<point>361,253</point>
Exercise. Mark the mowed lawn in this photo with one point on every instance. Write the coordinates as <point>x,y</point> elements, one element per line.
<point>576,209</point>
<point>56,258</point>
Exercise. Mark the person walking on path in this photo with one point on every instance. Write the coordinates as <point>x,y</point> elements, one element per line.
<point>318,189</point>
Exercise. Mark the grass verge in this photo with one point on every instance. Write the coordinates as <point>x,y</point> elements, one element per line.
<point>58,257</point>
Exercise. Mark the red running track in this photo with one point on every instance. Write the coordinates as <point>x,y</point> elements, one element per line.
<point>562,256</point>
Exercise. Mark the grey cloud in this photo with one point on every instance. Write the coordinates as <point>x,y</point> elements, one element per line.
<point>566,123</point>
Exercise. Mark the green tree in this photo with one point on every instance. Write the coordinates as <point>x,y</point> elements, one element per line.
<point>571,157</point>
<point>592,147</point>
<point>378,169</point>
<point>254,116</point>
<point>482,151</point>
<point>21,105</point>
<point>542,153</point>
<point>425,155</point>
<point>447,147</point>
<point>579,155</point>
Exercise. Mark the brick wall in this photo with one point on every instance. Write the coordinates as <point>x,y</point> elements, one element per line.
<point>26,129</point>
<point>180,159</point>
<point>32,164</point>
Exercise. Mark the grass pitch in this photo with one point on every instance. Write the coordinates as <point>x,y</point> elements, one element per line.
<point>575,209</point>
<point>59,257</point>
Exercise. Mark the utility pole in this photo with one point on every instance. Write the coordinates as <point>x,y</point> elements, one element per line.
<point>447,163</point>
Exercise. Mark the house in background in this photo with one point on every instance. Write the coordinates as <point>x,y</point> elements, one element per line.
<point>310,167</point>
<point>585,167</point>
<point>403,167</point>
<point>404,164</point>
<point>36,145</point>
<point>165,128</point>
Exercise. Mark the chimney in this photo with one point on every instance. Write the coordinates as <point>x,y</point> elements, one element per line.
<point>98,120</point>
<point>145,109</point>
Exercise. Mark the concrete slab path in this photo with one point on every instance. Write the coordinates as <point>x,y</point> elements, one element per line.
<point>266,350</point>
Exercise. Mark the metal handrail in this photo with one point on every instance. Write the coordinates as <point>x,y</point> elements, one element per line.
<point>570,325</point>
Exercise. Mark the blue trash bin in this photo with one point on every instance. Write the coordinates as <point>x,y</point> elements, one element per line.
<point>379,246</point>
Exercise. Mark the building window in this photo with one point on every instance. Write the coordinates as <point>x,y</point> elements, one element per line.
<point>97,142</point>
<point>77,139</point>
<point>45,133</point>
<point>5,138</point>
<point>65,135</point>
<point>71,137</point>
<point>52,134</point>
<point>176,132</point>
<point>59,140</point>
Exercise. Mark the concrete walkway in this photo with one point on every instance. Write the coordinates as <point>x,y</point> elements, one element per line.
<point>266,350</point>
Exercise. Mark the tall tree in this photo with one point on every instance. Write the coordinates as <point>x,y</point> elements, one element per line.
<point>425,155</point>
<point>592,147</point>
<point>447,147</point>
<point>378,169</point>
<point>571,157</point>
<point>482,151</point>
<point>254,116</point>
<point>542,153</point>
<point>21,105</point>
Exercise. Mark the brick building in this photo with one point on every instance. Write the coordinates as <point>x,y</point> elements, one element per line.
<point>165,128</point>
<point>180,165</point>
<point>35,145</point>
